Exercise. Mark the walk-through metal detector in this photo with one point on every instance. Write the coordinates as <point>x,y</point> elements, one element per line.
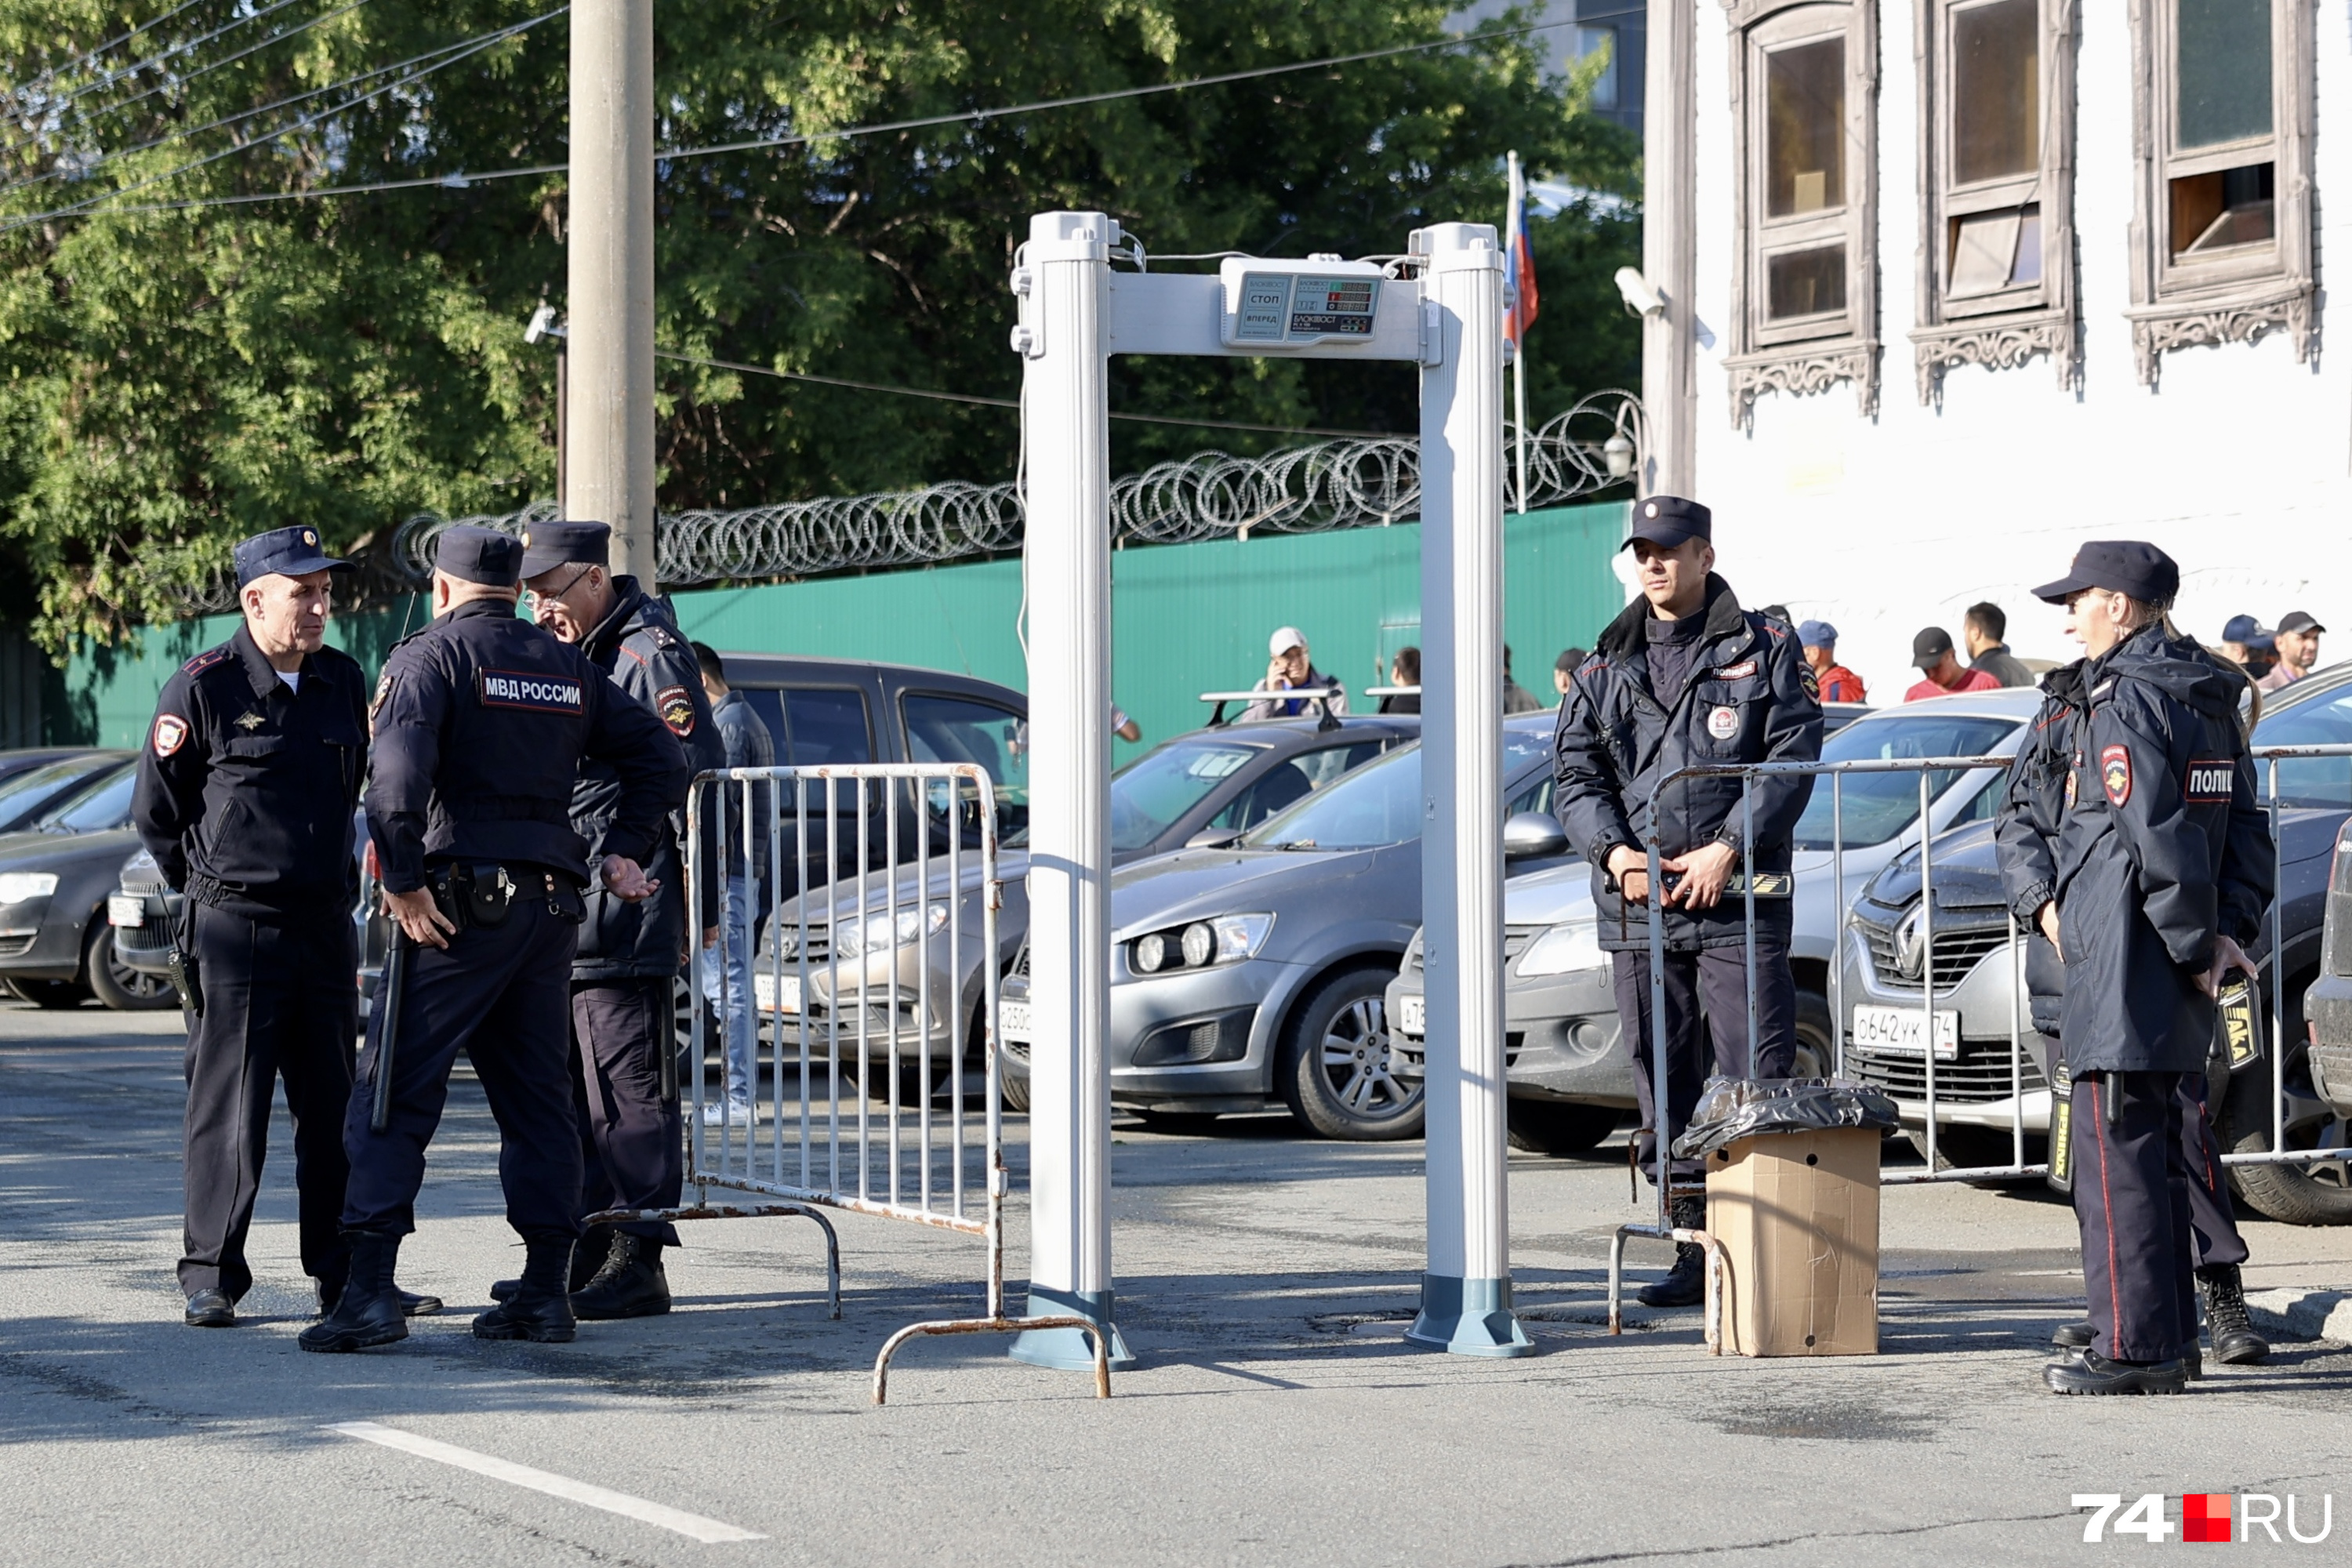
<point>1439,306</point>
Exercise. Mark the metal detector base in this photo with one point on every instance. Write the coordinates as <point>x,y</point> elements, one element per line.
<point>1468,1317</point>
<point>1069,1349</point>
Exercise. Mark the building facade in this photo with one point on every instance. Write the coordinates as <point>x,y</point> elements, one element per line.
<point>1983,278</point>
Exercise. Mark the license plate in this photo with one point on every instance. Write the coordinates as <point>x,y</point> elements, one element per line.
<point>1412,1014</point>
<point>1897,1031</point>
<point>1012,1021</point>
<point>123,910</point>
<point>764,986</point>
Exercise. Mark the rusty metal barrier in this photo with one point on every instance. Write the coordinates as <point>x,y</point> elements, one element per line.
<point>873,982</point>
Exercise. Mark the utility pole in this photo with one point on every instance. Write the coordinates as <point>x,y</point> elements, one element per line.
<point>1670,247</point>
<point>608,472</point>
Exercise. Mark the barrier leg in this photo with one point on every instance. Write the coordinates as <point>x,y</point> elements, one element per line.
<point>1024,1326</point>
<point>741,1211</point>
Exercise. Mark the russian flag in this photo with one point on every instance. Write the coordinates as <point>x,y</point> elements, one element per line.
<point>1519,282</point>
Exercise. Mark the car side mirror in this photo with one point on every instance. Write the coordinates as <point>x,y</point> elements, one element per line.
<point>1213,839</point>
<point>1532,834</point>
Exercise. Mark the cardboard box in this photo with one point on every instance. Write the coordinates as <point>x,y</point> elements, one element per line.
<point>1798,1214</point>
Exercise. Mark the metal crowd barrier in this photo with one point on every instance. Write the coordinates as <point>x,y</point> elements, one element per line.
<point>2272,964</point>
<point>831,1025</point>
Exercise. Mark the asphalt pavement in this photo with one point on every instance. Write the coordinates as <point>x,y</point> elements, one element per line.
<point>1277,1417</point>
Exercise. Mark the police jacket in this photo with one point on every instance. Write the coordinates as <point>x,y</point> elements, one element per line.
<point>2160,849</point>
<point>1746,697</point>
<point>638,645</point>
<point>246,786</point>
<point>482,724</point>
<point>2025,831</point>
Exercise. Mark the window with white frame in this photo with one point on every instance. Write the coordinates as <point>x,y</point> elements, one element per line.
<point>1996,244</point>
<point>2221,227</point>
<point>1805,304</point>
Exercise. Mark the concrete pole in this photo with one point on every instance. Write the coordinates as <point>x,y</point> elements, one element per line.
<point>1465,1296</point>
<point>1065,271</point>
<point>1670,247</point>
<point>609,468</point>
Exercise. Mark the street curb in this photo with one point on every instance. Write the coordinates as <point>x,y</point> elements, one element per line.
<point>2303,1314</point>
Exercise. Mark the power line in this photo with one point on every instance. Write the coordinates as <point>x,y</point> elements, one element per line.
<point>110,77</point>
<point>90,56</point>
<point>224,60</point>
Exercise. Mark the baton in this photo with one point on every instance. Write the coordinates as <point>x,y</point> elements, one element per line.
<point>387,1034</point>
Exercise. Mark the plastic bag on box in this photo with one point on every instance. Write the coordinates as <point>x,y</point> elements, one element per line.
<point>1730,1109</point>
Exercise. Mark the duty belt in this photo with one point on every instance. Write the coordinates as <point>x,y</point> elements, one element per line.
<point>482,893</point>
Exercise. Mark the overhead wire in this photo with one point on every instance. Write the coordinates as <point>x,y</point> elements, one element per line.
<point>103,83</point>
<point>183,78</point>
<point>90,56</point>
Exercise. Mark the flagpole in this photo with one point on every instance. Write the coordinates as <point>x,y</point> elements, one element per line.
<point>1515,232</point>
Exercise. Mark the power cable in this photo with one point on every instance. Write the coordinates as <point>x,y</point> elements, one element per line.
<point>90,56</point>
<point>206,69</point>
<point>110,77</point>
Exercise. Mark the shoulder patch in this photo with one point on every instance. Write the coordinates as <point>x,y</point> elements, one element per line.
<point>529,688</point>
<point>1812,681</point>
<point>205,660</point>
<point>383,690</point>
<point>171,733</point>
<point>677,709</point>
<point>2115,772</point>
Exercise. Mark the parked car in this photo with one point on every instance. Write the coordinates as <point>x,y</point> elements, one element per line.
<point>1570,1079</point>
<point>55,944</point>
<point>1203,788</point>
<point>29,788</point>
<point>1885,966</point>
<point>145,913</point>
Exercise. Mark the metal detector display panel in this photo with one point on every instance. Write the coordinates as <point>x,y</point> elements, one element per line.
<point>1305,307</point>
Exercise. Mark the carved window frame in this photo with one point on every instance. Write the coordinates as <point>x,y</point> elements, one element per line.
<point>2231,298</point>
<point>1768,359</point>
<point>2010,326</point>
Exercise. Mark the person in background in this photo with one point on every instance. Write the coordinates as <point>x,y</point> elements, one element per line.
<point>728,962</point>
<point>1931,654</point>
<point>1564,668</point>
<point>2248,644</point>
<point>1836,682</point>
<point>2299,649</point>
<point>1292,668</point>
<point>1125,728</point>
<point>1516,699</point>
<point>1404,671</point>
<point>1983,628</point>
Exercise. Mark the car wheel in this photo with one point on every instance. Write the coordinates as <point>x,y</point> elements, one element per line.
<point>55,994</point>
<point>119,986</point>
<point>1816,1039</point>
<point>2318,1193</point>
<point>1558,1126</point>
<point>1334,1069</point>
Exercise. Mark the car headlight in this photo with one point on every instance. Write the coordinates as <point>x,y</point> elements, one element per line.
<point>1198,944</point>
<point>17,887</point>
<point>1564,949</point>
<point>878,934</point>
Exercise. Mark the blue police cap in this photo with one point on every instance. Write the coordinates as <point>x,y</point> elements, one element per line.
<point>2247,630</point>
<point>479,555</point>
<point>1668,521</point>
<point>1817,634</point>
<point>288,551</point>
<point>558,544</point>
<point>2119,566</point>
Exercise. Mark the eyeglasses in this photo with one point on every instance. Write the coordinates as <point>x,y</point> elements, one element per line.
<point>535,596</point>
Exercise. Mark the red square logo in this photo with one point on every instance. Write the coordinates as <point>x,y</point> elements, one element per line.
<point>2205,1516</point>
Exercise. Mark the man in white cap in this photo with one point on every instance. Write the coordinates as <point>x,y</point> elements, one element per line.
<point>1292,668</point>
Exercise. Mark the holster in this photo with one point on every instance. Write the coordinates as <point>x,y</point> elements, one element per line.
<point>484,893</point>
<point>182,961</point>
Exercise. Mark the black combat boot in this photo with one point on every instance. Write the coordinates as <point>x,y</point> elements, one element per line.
<point>2235,1344</point>
<point>587,1258</point>
<point>2089,1372</point>
<point>367,1311</point>
<point>630,1285</point>
<point>1686,1283</point>
<point>540,1310</point>
<point>411,1304</point>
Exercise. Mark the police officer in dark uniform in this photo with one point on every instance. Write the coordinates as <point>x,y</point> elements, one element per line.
<point>481,724</point>
<point>245,797</point>
<point>1685,676</point>
<point>2033,810</point>
<point>621,1012</point>
<point>2160,870</point>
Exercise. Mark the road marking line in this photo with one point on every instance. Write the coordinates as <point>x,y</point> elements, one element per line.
<point>678,1519</point>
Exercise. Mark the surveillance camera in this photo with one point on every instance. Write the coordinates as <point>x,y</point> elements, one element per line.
<point>543,324</point>
<point>1640,298</point>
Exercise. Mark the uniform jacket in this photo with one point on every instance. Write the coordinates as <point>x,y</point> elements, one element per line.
<point>748,744</point>
<point>638,645</point>
<point>2025,831</point>
<point>482,722</point>
<point>247,788</point>
<point>2161,848</point>
<point>1749,698</point>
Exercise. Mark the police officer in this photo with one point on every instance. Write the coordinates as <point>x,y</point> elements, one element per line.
<point>245,797</point>
<point>1685,676</point>
<point>2026,830</point>
<point>2160,869</point>
<point>481,724</point>
<point>621,1012</point>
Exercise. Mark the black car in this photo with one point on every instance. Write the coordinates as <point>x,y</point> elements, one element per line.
<point>55,944</point>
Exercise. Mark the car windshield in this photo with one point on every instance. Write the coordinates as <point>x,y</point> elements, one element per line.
<point>32,788</point>
<point>1877,807</point>
<point>1165,783</point>
<point>2321,721</point>
<point>1377,805</point>
<point>103,806</point>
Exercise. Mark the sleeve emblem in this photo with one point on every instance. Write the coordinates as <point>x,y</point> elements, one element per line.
<point>677,709</point>
<point>383,690</point>
<point>2114,771</point>
<point>171,733</point>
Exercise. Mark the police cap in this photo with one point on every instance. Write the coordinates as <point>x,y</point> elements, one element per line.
<point>287,552</point>
<point>1667,521</point>
<point>482,555</point>
<point>552,544</point>
<point>2119,566</point>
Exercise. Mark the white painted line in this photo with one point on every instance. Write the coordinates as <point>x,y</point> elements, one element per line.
<point>622,1503</point>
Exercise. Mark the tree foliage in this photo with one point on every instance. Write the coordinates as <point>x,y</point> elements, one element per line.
<point>172,379</point>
